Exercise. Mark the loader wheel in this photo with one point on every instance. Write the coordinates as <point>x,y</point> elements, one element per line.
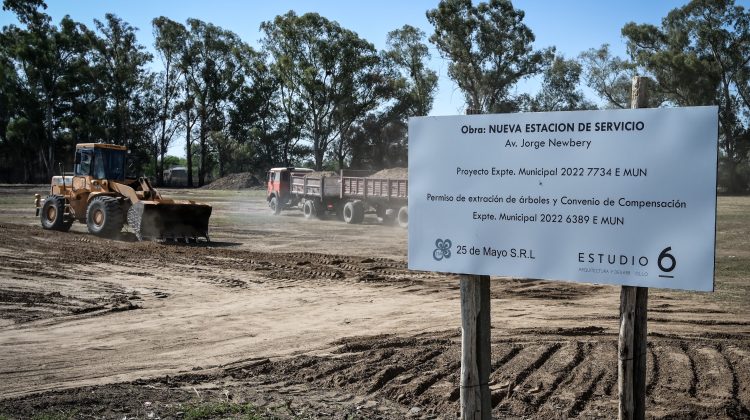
<point>309,209</point>
<point>274,205</point>
<point>53,214</point>
<point>403,217</point>
<point>104,216</point>
<point>354,212</point>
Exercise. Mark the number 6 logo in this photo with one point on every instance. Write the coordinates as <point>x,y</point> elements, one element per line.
<point>665,255</point>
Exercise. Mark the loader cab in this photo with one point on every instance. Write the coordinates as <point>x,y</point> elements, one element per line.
<point>100,161</point>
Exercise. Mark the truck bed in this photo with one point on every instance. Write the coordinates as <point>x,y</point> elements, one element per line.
<point>308,185</point>
<point>347,186</point>
<point>374,188</point>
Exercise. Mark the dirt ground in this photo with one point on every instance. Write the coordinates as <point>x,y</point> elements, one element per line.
<point>282,317</point>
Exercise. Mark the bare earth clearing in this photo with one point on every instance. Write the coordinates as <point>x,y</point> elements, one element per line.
<point>308,319</point>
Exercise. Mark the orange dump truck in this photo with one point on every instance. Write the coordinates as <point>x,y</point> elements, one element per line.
<point>349,194</point>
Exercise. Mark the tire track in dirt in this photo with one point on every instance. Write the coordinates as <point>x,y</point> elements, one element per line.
<point>715,375</point>
<point>580,381</point>
<point>509,355</point>
<point>582,399</point>
<point>704,375</point>
<point>693,388</point>
<point>577,375</point>
<point>652,366</point>
<point>532,358</point>
<point>676,376</point>
<point>218,265</point>
<point>578,357</point>
<point>309,268</point>
<point>735,357</point>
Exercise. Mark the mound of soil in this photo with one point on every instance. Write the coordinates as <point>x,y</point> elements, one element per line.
<point>238,181</point>
<point>392,173</point>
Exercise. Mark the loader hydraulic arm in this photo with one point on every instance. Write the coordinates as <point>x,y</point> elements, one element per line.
<point>147,192</point>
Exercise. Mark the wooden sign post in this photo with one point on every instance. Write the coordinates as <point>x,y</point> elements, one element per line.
<point>476,402</point>
<point>632,350</point>
<point>475,347</point>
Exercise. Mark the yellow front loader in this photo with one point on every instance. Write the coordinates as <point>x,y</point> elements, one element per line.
<point>99,195</point>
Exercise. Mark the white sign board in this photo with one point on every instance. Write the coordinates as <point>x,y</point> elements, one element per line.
<point>621,197</point>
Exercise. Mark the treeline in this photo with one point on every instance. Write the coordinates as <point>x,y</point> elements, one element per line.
<point>317,94</point>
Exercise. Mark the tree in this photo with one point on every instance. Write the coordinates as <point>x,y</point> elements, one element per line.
<point>610,77</point>
<point>560,90</point>
<point>125,88</point>
<point>51,66</point>
<point>9,89</point>
<point>217,61</point>
<point>169,42</point>
<point>329,76</point>
<point>380,140</point>
<point>489,49</point>
<point>186,108</point>
<point>407,55</point>
<point>256,120</point>
<point>701,56</point>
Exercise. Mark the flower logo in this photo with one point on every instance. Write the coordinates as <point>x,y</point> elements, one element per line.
<point>443,249</point>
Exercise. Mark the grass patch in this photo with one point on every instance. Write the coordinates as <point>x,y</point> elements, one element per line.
<point>223,410</point>
<point>58,415</point>
<point>733,266</point>
<point>732,285</point>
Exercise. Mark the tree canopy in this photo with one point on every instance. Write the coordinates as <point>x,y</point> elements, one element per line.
<point>489,49</point>
<point>701,56</point>
<point>318,94</point>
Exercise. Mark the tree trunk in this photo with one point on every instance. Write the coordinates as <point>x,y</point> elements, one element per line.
<point>160,167</point>
<point>318,153</point>
<point>286,153</point>
<point>202,140</point>
<point>222,158</point>
<point>49,160</point>
<point>162,137</point>
<point>159,177</point>
<point>188,148</point>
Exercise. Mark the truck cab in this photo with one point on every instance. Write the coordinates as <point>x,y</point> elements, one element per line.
<point>278,189</point>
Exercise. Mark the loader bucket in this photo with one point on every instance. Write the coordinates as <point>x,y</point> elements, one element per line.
<point>169,220</point>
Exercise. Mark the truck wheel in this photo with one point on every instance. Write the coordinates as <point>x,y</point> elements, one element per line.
<point>403,217</point>
<point>340,210</point>
<point>309,209</point>
<point>53,214</point>
<point>354,212</point>
<point>385,215</point>
<point>274,205</point>
<point>104,216</point>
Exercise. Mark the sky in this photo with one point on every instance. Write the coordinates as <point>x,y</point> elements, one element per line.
<point>572,26</point>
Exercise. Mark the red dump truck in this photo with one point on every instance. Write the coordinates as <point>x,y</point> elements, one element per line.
<point>349,194</point>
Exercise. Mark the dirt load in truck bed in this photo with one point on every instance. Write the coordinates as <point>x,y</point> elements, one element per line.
<point>392,173</point>
<point>282,318</point>
<point>318,174</point>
